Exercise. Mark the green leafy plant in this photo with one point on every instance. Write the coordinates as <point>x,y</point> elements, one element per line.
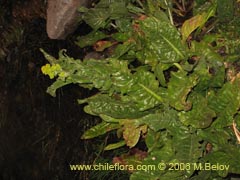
<point>169,87</point>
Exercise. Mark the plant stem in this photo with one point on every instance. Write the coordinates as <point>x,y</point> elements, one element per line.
<point>178,66</point>
<point>151,92</point>
<point>169,12</point>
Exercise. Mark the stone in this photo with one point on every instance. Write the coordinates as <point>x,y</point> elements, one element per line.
<point>62,17</point>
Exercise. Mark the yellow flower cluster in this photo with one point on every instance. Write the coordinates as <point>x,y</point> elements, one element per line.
<point>52,70</point>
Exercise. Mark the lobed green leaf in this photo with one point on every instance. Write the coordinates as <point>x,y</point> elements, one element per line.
<point>200,116</point>
<point>179,86</point>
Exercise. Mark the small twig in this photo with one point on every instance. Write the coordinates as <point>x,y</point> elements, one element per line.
<point>236,131</point>
<point>140,3</point>
<point>178,5</point>
<point>114,26</point>
<point>178,12</point>
<point>183,5</point>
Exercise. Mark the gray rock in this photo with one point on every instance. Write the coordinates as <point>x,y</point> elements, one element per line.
<point>62,17</point>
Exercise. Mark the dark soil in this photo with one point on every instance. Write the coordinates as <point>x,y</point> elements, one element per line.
<point>39,134</point>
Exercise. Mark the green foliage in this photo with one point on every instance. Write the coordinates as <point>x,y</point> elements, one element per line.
<point>183,83</point>
<point>160,42</point>
<point>90,38</point>
<point>177,97</point>
<point>100,129</point>
<point>201,116</point>
<point>225,10</point>
<point>197,21</point>
<point>104,12</point>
